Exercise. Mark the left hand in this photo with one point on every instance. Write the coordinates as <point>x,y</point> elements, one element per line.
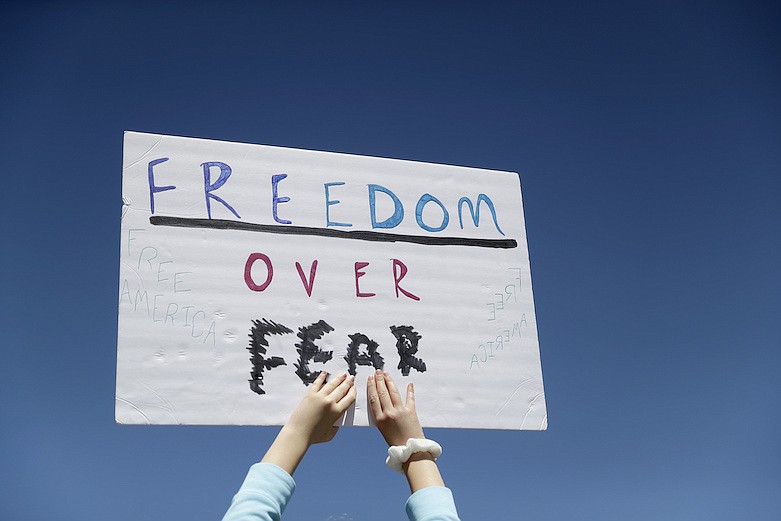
<point>313,418</point>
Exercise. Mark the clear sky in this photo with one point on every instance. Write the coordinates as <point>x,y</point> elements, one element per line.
<point>647,135</point>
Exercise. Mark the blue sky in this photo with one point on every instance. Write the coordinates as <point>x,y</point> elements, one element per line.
<point>647,137</point>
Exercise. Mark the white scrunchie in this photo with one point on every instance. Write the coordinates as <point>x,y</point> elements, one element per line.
<point>399,454</point>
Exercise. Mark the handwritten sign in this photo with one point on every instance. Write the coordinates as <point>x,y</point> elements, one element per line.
<point>245,270</point>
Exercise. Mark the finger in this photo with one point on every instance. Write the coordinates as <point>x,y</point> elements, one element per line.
<point>393,391</point>
<point>318,383</point>
<point>342,389</point>
<point>348,399</point>
<point>372,398</point>
<point>333,383</point>
<point>410,396</point>
<point>382,391</point>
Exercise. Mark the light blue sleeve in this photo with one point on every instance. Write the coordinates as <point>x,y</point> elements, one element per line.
<point>432,504</point>
<point>263,495</point>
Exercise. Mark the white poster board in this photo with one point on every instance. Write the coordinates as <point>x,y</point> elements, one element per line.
<point>247,269</point>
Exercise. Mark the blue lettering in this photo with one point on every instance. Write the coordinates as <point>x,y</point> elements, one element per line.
<point>152,188</point>
<point>192,330</point>
<point>275,199</point>
<point>329,202</point>
<point>208,187</point>
<point>475,210</point>
<point>169,314</point>
<point>398,211</point>
<point>177,281</point>
<point>424,200</point>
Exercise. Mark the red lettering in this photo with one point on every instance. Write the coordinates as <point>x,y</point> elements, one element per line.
<point>397,276</point>
<point>358,274</point>
<point>248,271</point>
<point>312,271</point>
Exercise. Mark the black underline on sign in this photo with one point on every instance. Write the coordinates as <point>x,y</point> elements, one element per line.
<point>361,235</point>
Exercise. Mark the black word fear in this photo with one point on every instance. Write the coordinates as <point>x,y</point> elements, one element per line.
<point>361,350</point>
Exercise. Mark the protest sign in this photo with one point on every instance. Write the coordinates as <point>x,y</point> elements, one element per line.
<point>245,270</point>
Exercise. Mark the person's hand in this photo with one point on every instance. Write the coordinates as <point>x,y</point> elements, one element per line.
<point>314,417</point>
<point>396,421</point>
<point>312,421</point>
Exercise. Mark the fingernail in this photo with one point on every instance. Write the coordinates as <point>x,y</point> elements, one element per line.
<point>379,372</point>
<point>371,377</point>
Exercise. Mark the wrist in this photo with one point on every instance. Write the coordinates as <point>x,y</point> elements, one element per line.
<point>417,457</point>
<point>398,455</point>
<point>421,471</point>
<point>295,438</point>
<point>400,438</point>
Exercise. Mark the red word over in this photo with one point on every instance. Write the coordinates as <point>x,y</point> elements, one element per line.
<point>398,269</point>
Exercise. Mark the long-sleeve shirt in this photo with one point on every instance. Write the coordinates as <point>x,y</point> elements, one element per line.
<point>267,489</point>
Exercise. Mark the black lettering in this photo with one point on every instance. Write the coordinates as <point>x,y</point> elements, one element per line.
<point>407,346</point>
<point>308,350</point>
<point>355,357</point>
<point>257,348</point>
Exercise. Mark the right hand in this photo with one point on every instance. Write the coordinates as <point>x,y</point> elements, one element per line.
<point>396,421</point>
